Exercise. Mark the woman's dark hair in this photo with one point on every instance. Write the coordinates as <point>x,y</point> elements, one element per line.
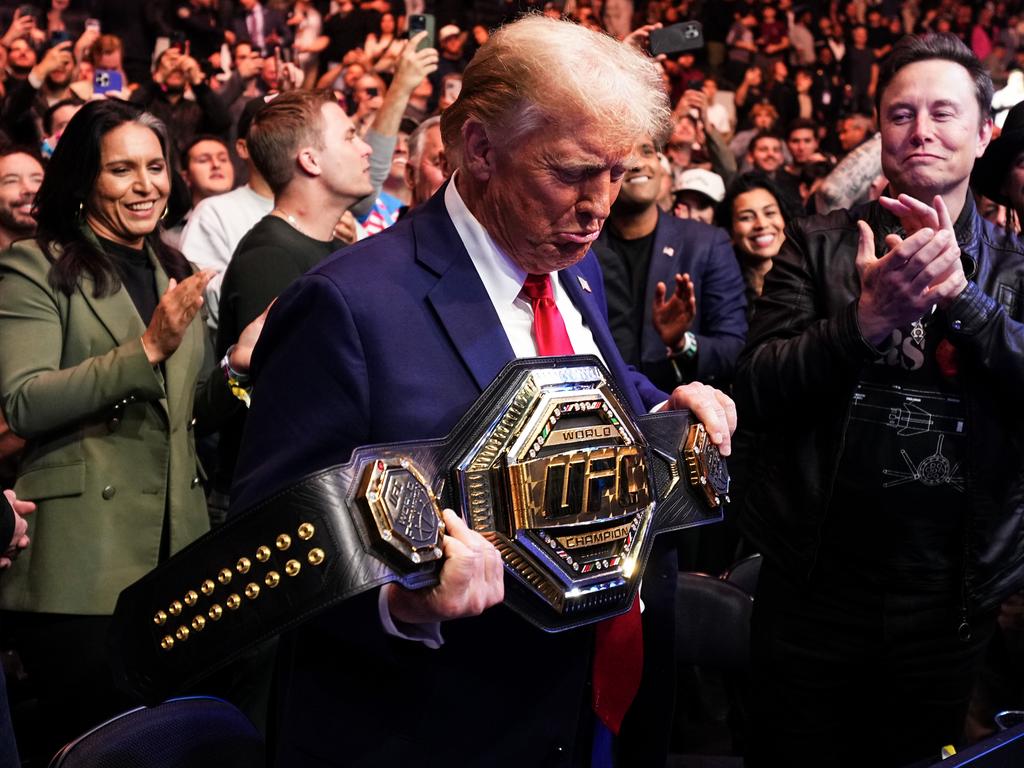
<point>68,183</point>
<point>745,183</point>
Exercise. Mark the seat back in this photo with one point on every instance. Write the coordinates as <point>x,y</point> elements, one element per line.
<point>712,623</point>
<point>744,573</point>
<point>187,732</point>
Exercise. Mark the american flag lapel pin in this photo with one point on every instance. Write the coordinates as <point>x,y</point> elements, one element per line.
<point>669,251</point>
<point>584,284</point>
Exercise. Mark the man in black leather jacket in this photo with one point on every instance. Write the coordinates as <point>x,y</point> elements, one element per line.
<point>886,365</point>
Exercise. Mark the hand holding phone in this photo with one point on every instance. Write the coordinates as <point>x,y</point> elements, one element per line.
<point>423,22</point>
<point>107,80</point>
<point>678,38</point>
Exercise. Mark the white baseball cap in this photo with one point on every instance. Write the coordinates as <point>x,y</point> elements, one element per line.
<point>699,180</point>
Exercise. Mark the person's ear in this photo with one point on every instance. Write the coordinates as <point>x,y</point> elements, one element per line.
<point>984,137</point>
<point>309,162</point>
<point>410,176</point>
<point>478,153</point>
<point>242,148</point>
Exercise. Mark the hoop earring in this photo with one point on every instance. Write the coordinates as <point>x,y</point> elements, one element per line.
<point>164,214</point>
<point>81,209</point>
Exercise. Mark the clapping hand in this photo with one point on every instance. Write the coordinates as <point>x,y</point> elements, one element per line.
<point>673,317</point>
<point>177,308</point>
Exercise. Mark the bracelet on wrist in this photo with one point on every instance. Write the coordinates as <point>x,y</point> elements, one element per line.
<point>238,383</point>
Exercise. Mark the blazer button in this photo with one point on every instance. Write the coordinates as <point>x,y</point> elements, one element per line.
<point>108,492</point>
<point>191,424</point>
<point>114,423</point>
<point>195,481</point>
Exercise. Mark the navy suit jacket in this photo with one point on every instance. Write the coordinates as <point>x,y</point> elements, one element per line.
<point>393,339</point>
<point>685,246</point>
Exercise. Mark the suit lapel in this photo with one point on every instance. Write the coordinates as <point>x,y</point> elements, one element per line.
<point>459,297</point>
<point>663,263</point>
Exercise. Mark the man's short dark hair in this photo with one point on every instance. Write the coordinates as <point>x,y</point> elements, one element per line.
<point>914,48</point>
<point>763,135</point>
<point>801,124</point>
<point>8,148</point>
<point>73,101</point>
<point>196,140</point>
<point>291,120</point>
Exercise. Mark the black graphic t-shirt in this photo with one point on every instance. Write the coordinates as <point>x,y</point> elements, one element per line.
<point>899,501</point>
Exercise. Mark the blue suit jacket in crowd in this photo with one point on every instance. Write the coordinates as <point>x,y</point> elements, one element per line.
<point>684,246</point>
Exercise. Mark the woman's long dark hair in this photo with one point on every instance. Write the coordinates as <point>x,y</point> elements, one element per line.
<point>747,182</point>
<point>67,185</point>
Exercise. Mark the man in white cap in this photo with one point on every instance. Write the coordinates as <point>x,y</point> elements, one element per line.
<point>696,192</point>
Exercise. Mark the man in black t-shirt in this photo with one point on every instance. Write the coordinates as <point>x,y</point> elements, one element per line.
<point>307,149</point>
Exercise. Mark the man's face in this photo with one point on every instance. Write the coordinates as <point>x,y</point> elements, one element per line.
<point>244,52</point>
<point>426,177</point>
<point>804,82</point>
<point>248,4</point>
<point>694,205</point>
<point>21,55</point>
<point>20,177</point>
<point>851,134</point>
<point>860,37</point>
<point>399,158</point>
<point>61,76</point>
<point>209,170</point>
<point>932,130</point>
<point>345,158</point>
<point>452,46</point>
<point>546,199</point>
<point>802,144</point>
<point>62,117</point>
<point>763,119</point>
<point>766,154</point>
<point>109,59</point>
<point>641,184</point>
<point>268,74</point>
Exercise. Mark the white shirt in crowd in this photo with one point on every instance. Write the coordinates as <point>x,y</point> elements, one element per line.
<point>214,230</point>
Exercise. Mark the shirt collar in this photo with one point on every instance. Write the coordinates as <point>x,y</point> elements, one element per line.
<point>502,278</point>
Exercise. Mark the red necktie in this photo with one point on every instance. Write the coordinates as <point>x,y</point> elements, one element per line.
<point>619,649</point>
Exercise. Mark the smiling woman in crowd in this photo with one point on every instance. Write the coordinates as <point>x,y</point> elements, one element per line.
<point>753,214</point>
<point>107,373</point>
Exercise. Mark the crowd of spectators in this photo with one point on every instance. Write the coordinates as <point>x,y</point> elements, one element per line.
<point>773,116</point>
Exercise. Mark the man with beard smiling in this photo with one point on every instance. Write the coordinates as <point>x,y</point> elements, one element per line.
<point>675,294</point>
<point>21,173</point>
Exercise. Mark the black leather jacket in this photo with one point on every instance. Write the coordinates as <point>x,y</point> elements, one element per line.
<point>805,352</point>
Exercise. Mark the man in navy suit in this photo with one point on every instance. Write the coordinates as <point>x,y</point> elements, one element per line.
<point>675,293</point>
<point>264,27</point>
<point>393,339</point>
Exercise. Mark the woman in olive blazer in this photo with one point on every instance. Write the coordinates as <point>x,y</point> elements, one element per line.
<point>104,360</point>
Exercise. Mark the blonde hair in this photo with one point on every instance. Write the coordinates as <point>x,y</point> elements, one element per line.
<point>539,72</point>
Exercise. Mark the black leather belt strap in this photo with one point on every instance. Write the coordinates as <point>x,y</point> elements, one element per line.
<point>607,481</point>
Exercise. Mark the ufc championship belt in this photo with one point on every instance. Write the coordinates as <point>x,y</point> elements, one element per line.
<point>550,465</point>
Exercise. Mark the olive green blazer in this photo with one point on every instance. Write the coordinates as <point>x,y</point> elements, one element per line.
<point>109,437</point>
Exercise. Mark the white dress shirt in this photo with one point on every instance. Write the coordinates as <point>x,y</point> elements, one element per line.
<point>503,280</point>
